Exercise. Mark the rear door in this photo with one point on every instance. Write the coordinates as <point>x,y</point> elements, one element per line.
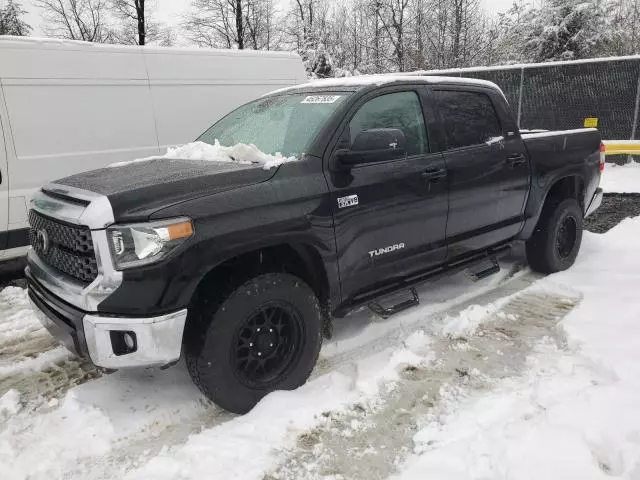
<point>4,182</point>
<point>389,217</point>
<point>488,169</point>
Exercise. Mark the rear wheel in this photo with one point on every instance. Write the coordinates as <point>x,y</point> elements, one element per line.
<point>264,336</point>
<point>555,243</point>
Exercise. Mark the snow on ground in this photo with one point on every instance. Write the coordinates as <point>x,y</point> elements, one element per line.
<point>478,383</point>
<point>574,413</point>
<point>621,178</point>
<point>142,419</point>
<point>239,153</point>
<point>17,321</point>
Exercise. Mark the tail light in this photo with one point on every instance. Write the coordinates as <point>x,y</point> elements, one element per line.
<point>603,154</point>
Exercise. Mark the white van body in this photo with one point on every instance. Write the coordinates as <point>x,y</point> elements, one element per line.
<point>67,107</point>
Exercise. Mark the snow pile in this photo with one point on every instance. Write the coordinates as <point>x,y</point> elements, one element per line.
<point>574,414</point>
<point>240,153</point>
<point>16,317</point>
<point>244,446</point>
<point>621,179</point>
<point>72,431</point>
<point>10,403</point>
<point>468,321</point>
<point>78,431</point>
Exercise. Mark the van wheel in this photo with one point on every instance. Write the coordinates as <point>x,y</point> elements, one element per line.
<point>265,336</point>
<point>555,242</point>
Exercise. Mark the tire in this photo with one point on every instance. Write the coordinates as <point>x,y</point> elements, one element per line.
<point>556,240</point>
<point>275,315</point>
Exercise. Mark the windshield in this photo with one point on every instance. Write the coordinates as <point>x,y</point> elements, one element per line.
<point>283,124</point>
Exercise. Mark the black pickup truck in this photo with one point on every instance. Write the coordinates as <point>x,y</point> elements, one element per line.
<point>241,266</point>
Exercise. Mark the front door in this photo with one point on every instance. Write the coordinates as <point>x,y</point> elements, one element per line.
<point>390,217</point>
<point>488,170</point>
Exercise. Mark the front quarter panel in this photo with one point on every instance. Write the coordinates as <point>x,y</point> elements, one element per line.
<point>291,208</point>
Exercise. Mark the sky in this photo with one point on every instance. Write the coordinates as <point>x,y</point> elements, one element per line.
<point>170,11</point>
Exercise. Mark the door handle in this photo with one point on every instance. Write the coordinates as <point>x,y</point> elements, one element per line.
<point>434,174</point>
<point>516,159</point>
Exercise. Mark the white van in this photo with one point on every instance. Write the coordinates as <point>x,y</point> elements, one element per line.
<point>67,107</point>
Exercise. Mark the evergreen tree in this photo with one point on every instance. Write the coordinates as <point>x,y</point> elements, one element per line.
<point>11,22</point>
<point>566,30</point>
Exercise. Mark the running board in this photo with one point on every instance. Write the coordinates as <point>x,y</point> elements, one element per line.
<point>460,265</point>
<point>491,269</point>
<point>386,312</point>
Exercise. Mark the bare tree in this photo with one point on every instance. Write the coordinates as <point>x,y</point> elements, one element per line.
<point>138,27</point>
<point>232,24</point>
<point>166,37</point>
<point>213,24</point>
<point>260,24</point>
<point>393,16</point>
<point>76,19</point>
<point>210,24</point>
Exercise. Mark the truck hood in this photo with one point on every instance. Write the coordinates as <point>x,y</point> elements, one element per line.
<point>137,189</point>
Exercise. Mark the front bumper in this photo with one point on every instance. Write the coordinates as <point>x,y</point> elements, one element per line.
<point>596,201</point>
<point>96,337</point>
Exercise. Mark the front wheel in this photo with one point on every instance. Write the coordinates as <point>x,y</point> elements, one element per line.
<point>265,336</point>
<point>555,243</point>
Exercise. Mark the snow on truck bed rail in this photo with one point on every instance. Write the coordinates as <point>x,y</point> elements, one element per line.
<point>554,133</point>
<point>239,153</point>
<point>379,80</point>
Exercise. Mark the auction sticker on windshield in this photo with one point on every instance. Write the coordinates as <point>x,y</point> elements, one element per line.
<point>321,99</point>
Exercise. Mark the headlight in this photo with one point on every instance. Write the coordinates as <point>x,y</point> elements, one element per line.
<point>145,243</point>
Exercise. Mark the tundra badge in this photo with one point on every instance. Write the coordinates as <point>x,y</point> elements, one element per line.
<point>383,251</point>
<point>350,201</point>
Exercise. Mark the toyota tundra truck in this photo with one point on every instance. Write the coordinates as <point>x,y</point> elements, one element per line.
<point>240,266</point>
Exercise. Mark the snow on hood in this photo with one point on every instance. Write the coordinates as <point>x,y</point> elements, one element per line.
<point>239,153</point>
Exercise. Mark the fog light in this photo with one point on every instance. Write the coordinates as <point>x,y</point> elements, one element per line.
<point>129,341</point>
<point>123,342</point>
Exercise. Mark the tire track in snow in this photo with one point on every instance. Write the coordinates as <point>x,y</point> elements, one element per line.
<point>51,379</point>
<point>187,418</point>
<point>515,281</point>
<point>133,451</point>
<point>367,441</point>
<point>26,347</point>
<point>31,361</point>
<point>336,354</point>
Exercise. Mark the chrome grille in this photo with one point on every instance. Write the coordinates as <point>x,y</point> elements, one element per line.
<point>69,248</point>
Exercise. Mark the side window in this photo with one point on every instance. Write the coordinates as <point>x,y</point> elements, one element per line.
<point>400,110</point>
<point>469,118</point>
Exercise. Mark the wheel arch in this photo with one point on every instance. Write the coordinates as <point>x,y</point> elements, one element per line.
<point>571,185</point>
<point>302,260</point>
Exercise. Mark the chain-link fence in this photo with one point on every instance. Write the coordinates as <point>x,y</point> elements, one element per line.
<point>559,96</point>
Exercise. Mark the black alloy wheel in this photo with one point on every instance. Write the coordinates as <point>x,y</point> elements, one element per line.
<point>261,334</point>
<point>266,344</point>
<point>566,237</point>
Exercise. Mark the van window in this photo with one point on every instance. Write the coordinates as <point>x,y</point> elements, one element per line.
<point>400,110</point>
<point>469,118</point>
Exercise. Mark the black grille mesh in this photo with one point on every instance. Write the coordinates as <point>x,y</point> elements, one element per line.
<point>70,248</point>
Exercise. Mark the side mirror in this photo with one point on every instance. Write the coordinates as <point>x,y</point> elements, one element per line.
<point>374,145</point>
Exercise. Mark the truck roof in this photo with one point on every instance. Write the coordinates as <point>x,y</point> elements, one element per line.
<point>365,81</point>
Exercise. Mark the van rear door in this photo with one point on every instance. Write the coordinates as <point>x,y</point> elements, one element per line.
<point>4,184</point>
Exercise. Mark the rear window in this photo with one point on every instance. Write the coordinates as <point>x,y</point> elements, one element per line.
<point>469,118</point>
